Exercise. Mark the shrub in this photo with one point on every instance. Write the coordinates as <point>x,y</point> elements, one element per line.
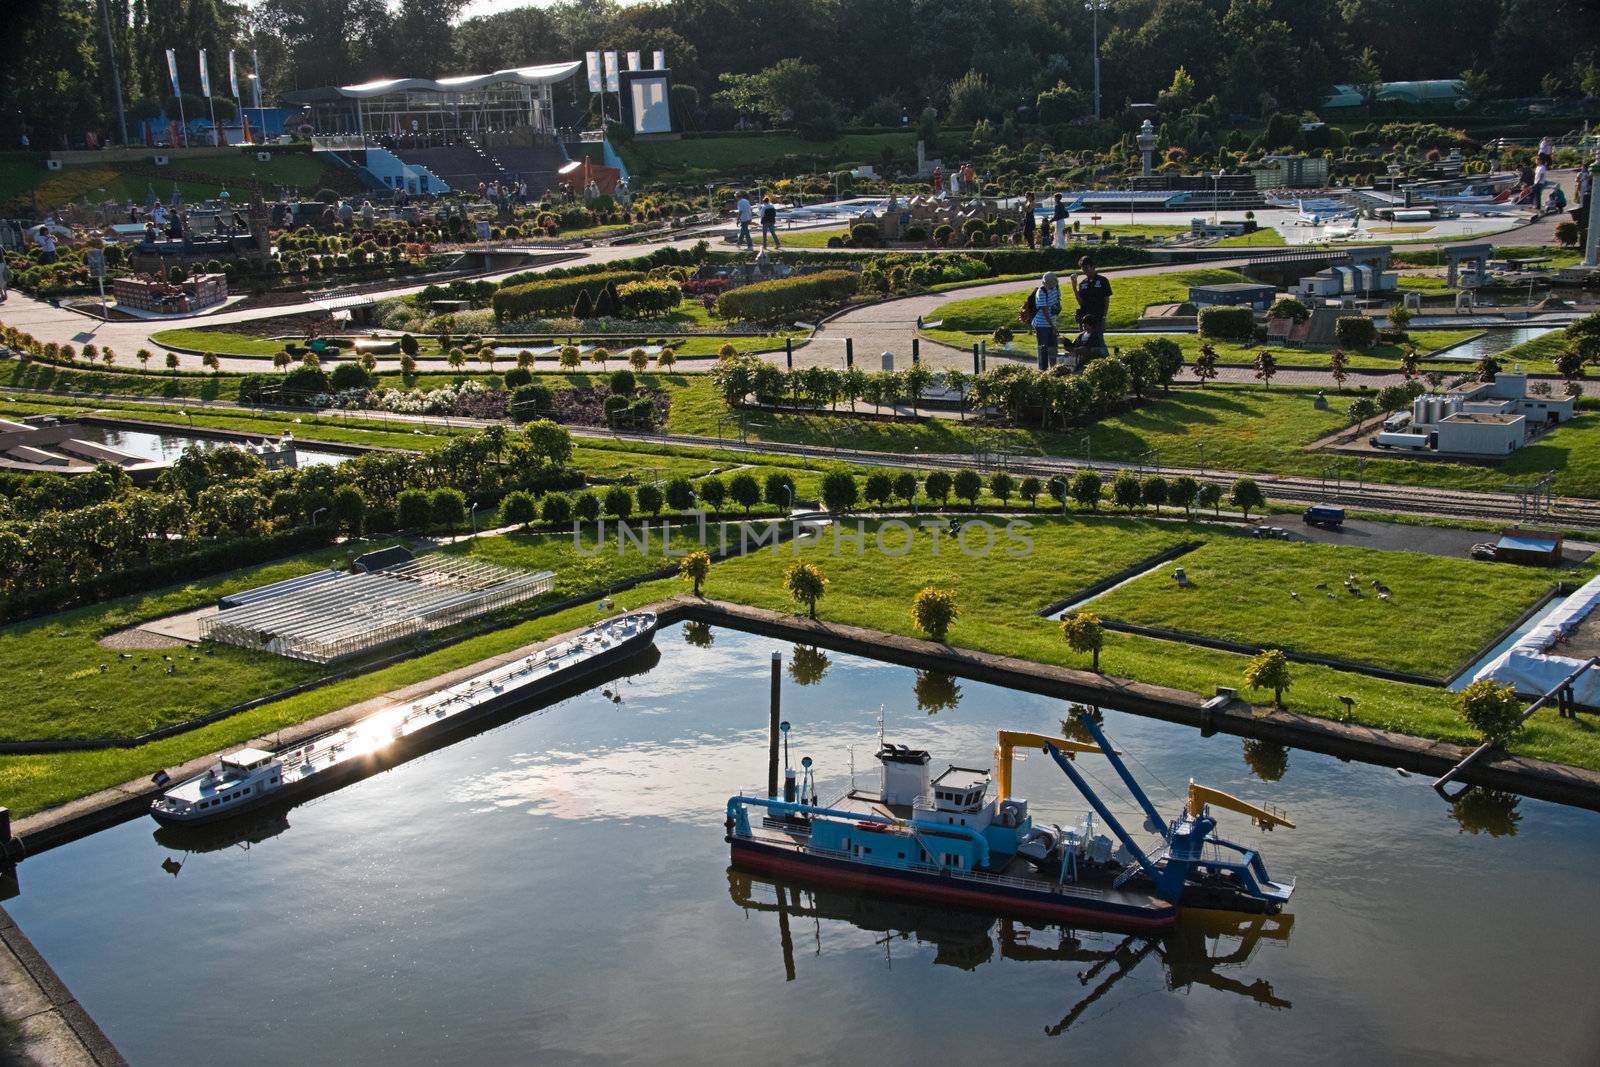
<point>648,298</point>
<point>839,492</point>
<point>623,383</point>
<point>517,509</point>
<point>1228,323</point>
<point>586,506</point>
<point>1083,632</point>
<point>1491,709</point>
<point>447,507</point>
<point>350,376</point>
<point>619,502</point>
<point>557,295</point>
<point>766,301</point>
<point>527,401</point>
<point>1362,408</point>
<point>933,610</point>
<point>1269,670</point>
<point>556,509</point>
<point>517,377</point>
<point>864,234</point>
<point>915,233</point>
<point>306,381</point>
<point>942,234</point>
<point>1287,307</point>
<point>1246,494</point>
<point>1355,331</point>
<point>412,509</point>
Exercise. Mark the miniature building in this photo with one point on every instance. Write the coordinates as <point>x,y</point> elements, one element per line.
<point>1291,172</point>
<point>1508,395</point>
<point>1542,547</point>
<point>193,294</point>
<point>1366,273</point>
<point>1233,294</point>
<point>1205,228</point>
<point>1480,434</point>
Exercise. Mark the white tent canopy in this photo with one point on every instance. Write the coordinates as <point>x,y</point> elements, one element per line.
<point>549,74</point>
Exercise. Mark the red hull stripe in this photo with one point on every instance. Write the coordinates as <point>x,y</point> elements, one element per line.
<point>772,861</point>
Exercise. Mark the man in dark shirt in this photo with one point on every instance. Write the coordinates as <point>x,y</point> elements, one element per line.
<point>1093,292</point>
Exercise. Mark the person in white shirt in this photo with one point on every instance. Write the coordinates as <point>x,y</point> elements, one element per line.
<point>159,216</point>
<point>744,213</point>
<point>1538,186</point>
<point>47,245</point>
<point>1547,147</point>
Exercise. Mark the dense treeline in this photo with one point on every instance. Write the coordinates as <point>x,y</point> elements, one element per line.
<point>83,537</point>
<point>851,60</point>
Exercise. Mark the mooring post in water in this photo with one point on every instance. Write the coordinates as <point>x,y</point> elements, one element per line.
<point>772,727</point>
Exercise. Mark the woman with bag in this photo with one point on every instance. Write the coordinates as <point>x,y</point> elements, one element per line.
<point>1046,302</point>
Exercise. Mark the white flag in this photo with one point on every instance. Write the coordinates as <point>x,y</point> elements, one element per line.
<point>205,75</point>
<point>233,75</point>
<point>172,69</point>
<point>633,60</point>
<point>594,71</point>
<point>659,60</point>
<point>613,81</point>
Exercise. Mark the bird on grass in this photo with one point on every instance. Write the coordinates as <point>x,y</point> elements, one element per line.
<point>1322,585</point>
<point>1293,594</point>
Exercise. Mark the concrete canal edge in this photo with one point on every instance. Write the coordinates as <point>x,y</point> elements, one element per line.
<point>51,1026</point>
<point>1347,741</point>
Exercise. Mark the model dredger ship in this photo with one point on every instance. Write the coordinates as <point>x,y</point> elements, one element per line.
<point>944,841</point>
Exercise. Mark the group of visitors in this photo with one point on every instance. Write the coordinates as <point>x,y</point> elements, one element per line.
<point>1052,236</point>
<point>769,222</point>
<point>1091,292</point>
<point>498,190</point>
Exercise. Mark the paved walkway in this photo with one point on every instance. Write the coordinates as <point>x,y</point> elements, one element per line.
<point>874,329</point>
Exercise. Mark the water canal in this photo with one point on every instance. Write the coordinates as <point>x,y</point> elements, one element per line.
<point>557,890</point>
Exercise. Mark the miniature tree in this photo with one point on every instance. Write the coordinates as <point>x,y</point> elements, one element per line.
<point>619,502</point>
<point>518,509</point>
<point>1182,493</point>
<point>937,485</point>
<point>745,491</point>
<point>556,509</point>
<point>1205,364</point>
<point>1338,367</point>
<point>1269,670</point>
<point>1210,496</point>
<point>1155,491</point>
<point>651,498</point>
<point>1492,709</point>
<point>933,610</point>
<point>1086,489</point>
<point>1029,490</point>
<point>1266,367</point>
<point>1084,632</point>
<point>878,489</point>
<point>905,487</point>
<point>1246,494</point>
<point>569,357</point>
<point>713,491</point>
<point>968,486</point>
<point>1125,492</point>
<point>680,493</point>
<point>1002,485</point>
<point>1410,362</point>
<point>839,491</point>
<point>695,567</point>
<point>806,584</point>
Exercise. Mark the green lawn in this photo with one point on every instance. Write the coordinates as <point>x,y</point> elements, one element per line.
<point>1265,237</point>
<point>1241,590</point>
<point>998,595</point>
<point>202,178</point>
<point>1130,295</point>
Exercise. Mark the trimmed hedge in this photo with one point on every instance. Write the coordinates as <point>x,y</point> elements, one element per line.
<point>1355,331</point>
<point>765,301</point>
<point>555,295</point>
<point>639,299</point>
<point>1228,323</point>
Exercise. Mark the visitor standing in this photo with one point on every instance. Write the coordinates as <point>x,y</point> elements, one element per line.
<point>47,245</point>
<point>1029,223</point>
<point>769,223</point>
<point>1539,173</point>
<point>1093,293</point>
<point>1547,147</point>
<point>5,278</point>
<point>1046,311</point>
<point>346,212</point>
<point>1059,215</point>
<point>743,211</point>
<point>367,214</point>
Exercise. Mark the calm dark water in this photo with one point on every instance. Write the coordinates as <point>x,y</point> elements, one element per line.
<point>557,891</point>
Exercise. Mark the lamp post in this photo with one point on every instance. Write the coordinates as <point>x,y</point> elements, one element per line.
<point>1094,7</point>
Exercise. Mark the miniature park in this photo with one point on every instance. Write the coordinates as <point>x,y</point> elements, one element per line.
<point>499,462</point>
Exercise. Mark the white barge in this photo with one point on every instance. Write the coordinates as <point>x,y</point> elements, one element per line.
<point>251,777</point>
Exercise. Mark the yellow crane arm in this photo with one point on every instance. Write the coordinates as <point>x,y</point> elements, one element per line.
<point>1011,739</point>
<point>1201,795</point>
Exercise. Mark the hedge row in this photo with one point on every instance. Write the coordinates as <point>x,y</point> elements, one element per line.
<point>555,295</point>
<point>766,301</point>
<point>1228,323</point>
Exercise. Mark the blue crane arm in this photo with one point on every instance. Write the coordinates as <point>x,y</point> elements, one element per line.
<point>1104,812</point>
<point>1159,823</point>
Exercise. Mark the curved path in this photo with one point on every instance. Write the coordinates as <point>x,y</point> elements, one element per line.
<point>876,328</point>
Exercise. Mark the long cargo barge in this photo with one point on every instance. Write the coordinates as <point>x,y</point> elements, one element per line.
<point>252,778</point>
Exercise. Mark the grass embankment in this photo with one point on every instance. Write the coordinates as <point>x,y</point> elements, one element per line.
<point>1129,296</point>
<point>203,178</point>
<point>1241,592</point>
<point>998,595</point>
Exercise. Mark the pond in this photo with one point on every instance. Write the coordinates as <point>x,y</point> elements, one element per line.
<point>167,445</point>
<point>1492,342</point>
<point>557,890</point>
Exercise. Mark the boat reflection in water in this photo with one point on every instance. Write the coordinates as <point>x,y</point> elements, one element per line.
<point>272,818</point>
<point>1202,949</point>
